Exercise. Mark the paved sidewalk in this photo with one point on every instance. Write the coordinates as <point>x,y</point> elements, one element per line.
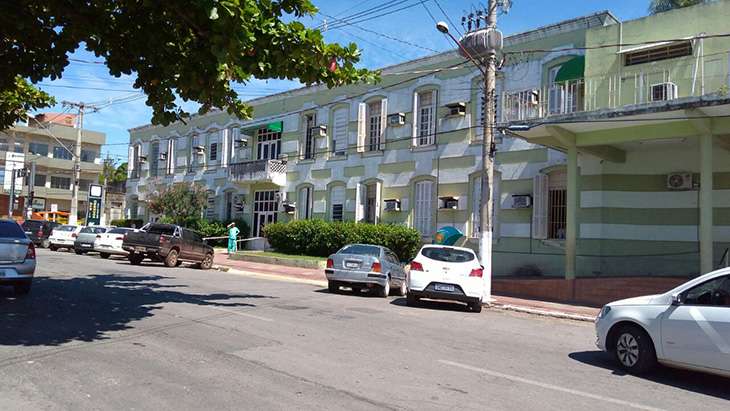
<point>316,277</point>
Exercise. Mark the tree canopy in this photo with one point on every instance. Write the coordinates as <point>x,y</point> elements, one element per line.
<point>196,51</point>
<point>660,6</point>
<point>179,203</point>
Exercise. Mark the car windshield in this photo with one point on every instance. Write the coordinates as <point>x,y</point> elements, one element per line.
<point>10,229</point>
<point>119,231</point>
<point>93,230</point>
<point>449,255</point>
<point>31,225</point>
<point>66,228</point>
<point>360,249</point>
<point>161,229</point>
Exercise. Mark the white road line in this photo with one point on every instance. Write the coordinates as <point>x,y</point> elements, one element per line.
<point>242,314</point>
<point>549,386</point>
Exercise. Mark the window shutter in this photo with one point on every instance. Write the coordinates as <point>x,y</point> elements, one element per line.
<point>540,206</point>
<point>362,109</point>
<point>383,124</point>
<point>434,117</point>
<point>378,201</point>
<point>225,139</point>
<point>360,197</point>
<point>416,115</point>
<point>130,165</point>
<point>339,131</point>
<point>171,155</point>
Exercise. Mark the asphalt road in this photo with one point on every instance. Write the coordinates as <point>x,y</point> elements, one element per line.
<point>102,334</point>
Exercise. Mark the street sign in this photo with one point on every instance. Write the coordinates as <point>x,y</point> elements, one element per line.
<point>93,212</point>
<point>39,204</point>
<point>54,208</point>
<point>95,191</point>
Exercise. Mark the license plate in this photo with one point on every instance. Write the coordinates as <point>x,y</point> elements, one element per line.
<point>29,232</point>
<point>352,265</point>
<point>85,245</point>
<point>443,287</point>
<point>140,249</point>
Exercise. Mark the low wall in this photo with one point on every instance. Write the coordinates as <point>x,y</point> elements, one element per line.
<point>290,262</point>
<point>589,291</point>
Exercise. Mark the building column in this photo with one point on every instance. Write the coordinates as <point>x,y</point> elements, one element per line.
<point>571,219</point>
<point>706,224</point>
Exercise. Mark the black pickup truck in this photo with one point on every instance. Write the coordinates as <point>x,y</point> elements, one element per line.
<point>168,243</point>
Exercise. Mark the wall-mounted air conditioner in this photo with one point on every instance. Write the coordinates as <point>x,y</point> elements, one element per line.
<point>396,119</point>
<point>521,201</point>
<point>199,150</point>
<point>163,156</point>
<point>663,91</point>
<point>392,205</point>
<point>534,97</point>
<point>319,131</point>
<point>456,109</point>
<point>448,203</point>
<point>142,159</point>
<point>679,181</point>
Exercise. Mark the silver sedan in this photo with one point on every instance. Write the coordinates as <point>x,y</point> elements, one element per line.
<point>17,257</point>
<point>360,266</point>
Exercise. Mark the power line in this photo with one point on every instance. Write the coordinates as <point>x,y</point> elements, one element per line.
<point>368,18</point>
<point>448,18</point>
<point>382,6</point>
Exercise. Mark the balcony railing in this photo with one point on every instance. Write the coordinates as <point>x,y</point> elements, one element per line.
<point>259,170</point>
<point>633,85</point>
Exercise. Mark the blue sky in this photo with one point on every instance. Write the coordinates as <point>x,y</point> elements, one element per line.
<point>92,83</point>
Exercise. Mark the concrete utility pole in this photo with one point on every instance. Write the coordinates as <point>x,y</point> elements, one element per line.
<point>72,218</point>
<point>480,45</point>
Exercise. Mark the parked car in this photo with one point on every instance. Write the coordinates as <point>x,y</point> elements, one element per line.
<point>170,244</point>
<point>686,327</point>
<point>110,242</point>
<point>17,257</point>
<point>362,265</point>
<point>64,237</point>
<point>87,236</point>
<point>39,231</point>
<point>446,273</point>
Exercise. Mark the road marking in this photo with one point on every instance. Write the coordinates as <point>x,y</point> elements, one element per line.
<point>243,314</point>
<point>549,386</point>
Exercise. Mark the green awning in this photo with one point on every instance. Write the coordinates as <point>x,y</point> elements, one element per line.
<point>276,126</point>
<point>572,69</point>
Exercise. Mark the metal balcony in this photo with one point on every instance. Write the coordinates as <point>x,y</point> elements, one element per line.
<point>273,171</point>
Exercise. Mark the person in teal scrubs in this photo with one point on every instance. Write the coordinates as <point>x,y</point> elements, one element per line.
<point>232,238</point>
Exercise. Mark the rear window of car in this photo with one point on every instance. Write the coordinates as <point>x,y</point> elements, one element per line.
<point>32,225</point>
<point>65,228</point>
<point>161,229</point>
<point>119,231</point>
<point>93,230</point>
<point>11,229</point>
<point>448,255</point>
<point>359,249</point>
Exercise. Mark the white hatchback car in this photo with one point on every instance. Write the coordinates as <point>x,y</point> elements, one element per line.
<point>686,327</point>
<point>446,273</point>
<point>64,237</point>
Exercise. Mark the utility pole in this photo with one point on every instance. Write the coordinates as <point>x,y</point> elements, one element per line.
<point>72,218</point>
<point>480,45</point>
<point>31,191</point>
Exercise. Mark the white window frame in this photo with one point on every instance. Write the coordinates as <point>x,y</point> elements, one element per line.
<point>305,202</point>
<point>361,209</point>
<point>338,194</point>
<point>543,184</point>
<point>423,207</point>
<point>424,118</point>
<point>339,131</point>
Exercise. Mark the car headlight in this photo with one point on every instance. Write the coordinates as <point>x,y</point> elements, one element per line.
<point>604,311</point>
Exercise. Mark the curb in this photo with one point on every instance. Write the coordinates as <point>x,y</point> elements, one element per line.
<point>544,313</point>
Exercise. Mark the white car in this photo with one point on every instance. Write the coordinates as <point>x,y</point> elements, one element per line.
<point>64,237</point>
<point>687,327</point>
<point>446,273</point>
<point>110,243</point>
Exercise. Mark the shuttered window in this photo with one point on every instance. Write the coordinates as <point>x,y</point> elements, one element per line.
<point>310,120</point>
<point>667,52</point>
<point>337,200</point>
<point>423,208</point>
<point>426,118</point>
<point>304,203</point>
<point>374,126</point>
<point>154,159</point>
<point>339,132</point>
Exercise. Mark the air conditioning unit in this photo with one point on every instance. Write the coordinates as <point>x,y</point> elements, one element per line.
<point>241,141</point>
<point>163,156</point>
<point>663,91</point>
<point>521,201</point>
<point>199,150</point>
<point>142,159</point>
<point>456,109</point>
<point>396,119</point>
<point>679,181</point>
<point>319,131</point>
<point>288,208</point>
<point>392,205</point>
<point>448,203</point>
<point>534,97</point>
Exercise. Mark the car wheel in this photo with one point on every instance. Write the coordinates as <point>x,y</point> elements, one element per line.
<point>45,244</point>
<point>634,350</point>
<point>403,289</point>
<point>384,291</point>
<point>171,259</point>
<point>104,255</point>
<point>22,289</point>
<point>475,307</point>
<point>52,248</point>
<point>207,262</point>
<point>411,300</point>
<point>333,287</point>
<point>79,252</point>
<point>135,259</point>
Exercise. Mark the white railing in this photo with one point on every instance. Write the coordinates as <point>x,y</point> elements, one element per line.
<point>559,98</point>
<point>258,170</point>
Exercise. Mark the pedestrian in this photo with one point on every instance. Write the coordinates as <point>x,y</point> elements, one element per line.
<point>232,238</point>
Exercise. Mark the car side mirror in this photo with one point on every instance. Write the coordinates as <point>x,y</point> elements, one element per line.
<point>677,300</point>
<point>481,266</point>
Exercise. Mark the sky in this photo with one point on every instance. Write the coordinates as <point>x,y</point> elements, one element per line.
<point>86,81</point>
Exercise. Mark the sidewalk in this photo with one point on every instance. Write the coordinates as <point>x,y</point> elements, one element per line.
<point>316,277</point>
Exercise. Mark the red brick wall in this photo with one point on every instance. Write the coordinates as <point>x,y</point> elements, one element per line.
<point>4,206</point>
<point>589,291</point>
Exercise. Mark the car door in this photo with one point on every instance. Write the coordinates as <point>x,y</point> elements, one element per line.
<point>397,271</point>
<point>186,244</point>
<point>198,246</point>
<point>697,331</point>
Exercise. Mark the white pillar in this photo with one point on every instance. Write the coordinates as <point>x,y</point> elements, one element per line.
<point>706,223</point>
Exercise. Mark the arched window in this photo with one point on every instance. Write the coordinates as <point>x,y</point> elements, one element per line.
<point>337,203</point>
<point>423,207</point>
<point>305,202</point>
